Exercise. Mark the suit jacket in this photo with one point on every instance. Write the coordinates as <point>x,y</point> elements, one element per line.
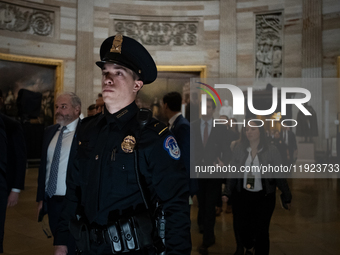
<point>16,154</point>
<point>48,136</point>
<point>181,131</point>
<point>292,146</point>
<point>3,147</point>
<point>268,156</point>
<point>218,145</point>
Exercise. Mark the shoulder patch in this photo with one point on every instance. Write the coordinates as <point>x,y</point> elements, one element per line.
<point>171,146</point>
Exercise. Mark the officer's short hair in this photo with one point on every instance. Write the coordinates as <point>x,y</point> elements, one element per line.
<point>174,101</point>
<point>75,100</point>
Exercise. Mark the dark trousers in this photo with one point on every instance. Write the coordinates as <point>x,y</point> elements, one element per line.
<point>207,196</point>
<point>3,206</point>
<point>54,208</point>
<point>252,212</point>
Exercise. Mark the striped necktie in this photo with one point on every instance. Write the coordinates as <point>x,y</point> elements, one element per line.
<point>52,181</point>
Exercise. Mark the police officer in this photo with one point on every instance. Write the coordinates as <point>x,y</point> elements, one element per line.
<point>124,164</point>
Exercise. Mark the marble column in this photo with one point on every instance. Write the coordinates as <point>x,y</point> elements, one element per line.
<point>84,54</point>
<point>312,60</point>
<point>228,39</point>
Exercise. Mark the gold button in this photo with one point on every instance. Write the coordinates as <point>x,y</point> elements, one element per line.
<point>79,143</point>
<point>97,157</point>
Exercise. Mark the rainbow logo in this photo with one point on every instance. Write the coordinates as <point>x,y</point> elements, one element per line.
<point>208,92</point>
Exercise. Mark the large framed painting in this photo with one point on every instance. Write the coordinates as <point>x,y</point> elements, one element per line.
<point>170,78</point>
<point>40,75</point>
<point>29,86</point>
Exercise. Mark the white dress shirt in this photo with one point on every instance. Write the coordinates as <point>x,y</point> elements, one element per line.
<point>64,155</point>
<point>172,120</point>
<point>257,175</point>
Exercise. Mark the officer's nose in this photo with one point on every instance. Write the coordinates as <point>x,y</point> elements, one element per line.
<point>108,81</point>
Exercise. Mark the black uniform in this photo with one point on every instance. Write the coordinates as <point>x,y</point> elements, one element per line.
<point>103,180</point>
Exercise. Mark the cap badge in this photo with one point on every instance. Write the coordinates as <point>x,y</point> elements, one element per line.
<point>117,44</point>
<point>128,144</point>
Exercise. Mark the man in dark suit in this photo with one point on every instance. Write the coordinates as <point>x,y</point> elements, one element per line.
<point>212,146</point>
<point>58,139</point>
<point>180,127</point>
<point>288,137</point>
<point>16,164</point>
<point>16,157</point>
<point>3,194</point>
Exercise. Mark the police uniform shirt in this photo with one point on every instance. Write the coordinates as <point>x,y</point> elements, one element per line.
<point>104,171</point>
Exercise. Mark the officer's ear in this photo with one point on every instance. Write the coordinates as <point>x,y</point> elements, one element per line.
<point>138,86</point>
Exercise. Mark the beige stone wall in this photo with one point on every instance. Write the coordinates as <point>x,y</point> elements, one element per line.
<point>225,37</point>
<point>330,37</point>
<point>61,46</point>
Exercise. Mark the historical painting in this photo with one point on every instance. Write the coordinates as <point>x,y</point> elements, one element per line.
<point>31,74</point>
<point>268,45</point>
<point>28,88</point>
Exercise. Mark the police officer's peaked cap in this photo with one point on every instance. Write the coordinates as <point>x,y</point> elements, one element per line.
<point>127,52</point>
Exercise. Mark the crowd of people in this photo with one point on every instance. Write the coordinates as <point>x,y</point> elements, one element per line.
<point>250,195</point>
<point>118,181</point>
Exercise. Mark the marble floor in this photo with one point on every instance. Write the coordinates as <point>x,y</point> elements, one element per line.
<point>312,227</point>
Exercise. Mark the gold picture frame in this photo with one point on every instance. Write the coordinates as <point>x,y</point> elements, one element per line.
<point>58,64</point>
<point>194,68</point>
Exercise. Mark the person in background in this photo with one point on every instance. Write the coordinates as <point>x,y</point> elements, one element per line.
<point>211,147</point>
<point>281,147</point>
<point>99,103</point>
<point>289,138</point>
<point>3,184</point>
<point>253,195</point>
<point>180,127</point>
<point>91,110</point>
<point>59,149</point>
<point>16,159</point>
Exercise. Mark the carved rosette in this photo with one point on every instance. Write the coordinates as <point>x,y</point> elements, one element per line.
<point>26,20</point>
<point>159,33</point>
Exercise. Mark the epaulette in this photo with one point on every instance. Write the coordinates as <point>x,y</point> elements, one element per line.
<point>158,127</point>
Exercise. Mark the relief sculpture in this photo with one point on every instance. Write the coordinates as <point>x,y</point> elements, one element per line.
<point>269,45</point>
<point>159,33</point>
<point>26,20</point>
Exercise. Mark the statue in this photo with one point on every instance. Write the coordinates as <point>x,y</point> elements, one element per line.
<point>226,110</point>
